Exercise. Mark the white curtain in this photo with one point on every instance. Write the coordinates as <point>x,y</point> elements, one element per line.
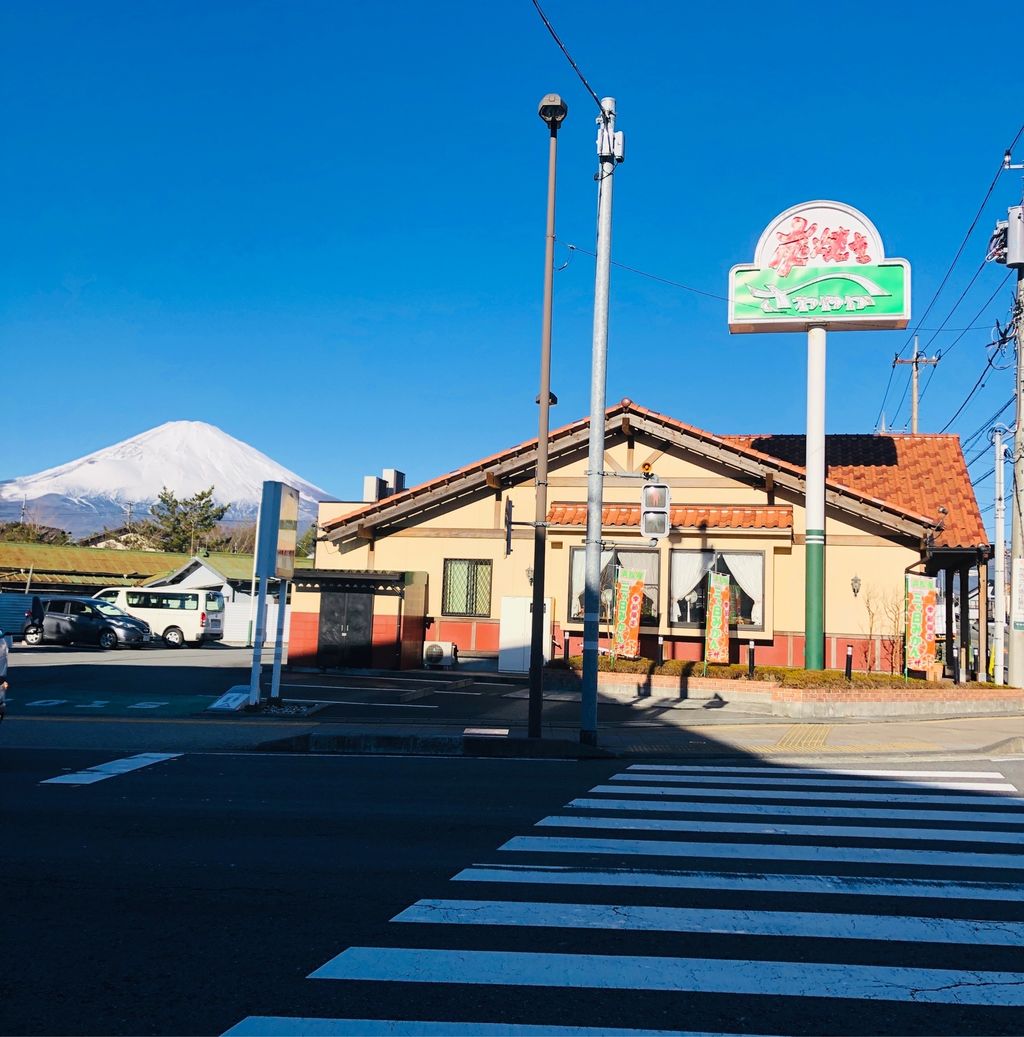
<point>687,570</point>
<point>748,571</point>
<point>579,566</point>
<point>647,563</point>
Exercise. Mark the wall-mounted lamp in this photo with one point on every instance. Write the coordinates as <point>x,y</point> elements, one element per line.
<point>529,574</point>
<point>855,585</point>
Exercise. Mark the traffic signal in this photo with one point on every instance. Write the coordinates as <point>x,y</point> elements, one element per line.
<point>654,511</point>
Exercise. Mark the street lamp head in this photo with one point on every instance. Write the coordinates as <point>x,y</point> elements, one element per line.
<point>553,110</point>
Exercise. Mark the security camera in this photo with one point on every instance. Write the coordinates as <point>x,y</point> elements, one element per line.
<point>553,110</point>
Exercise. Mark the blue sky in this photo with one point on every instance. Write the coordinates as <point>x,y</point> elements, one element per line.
<point>320,226</point>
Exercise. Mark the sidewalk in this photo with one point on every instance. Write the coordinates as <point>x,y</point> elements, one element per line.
<point>684,736</point>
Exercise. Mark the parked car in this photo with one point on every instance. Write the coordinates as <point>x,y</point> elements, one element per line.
<point>80,620</point>
<point>178,616</point>
<point>18,612</point>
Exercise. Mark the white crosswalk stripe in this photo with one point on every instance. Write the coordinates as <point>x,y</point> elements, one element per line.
<point>740,893</point>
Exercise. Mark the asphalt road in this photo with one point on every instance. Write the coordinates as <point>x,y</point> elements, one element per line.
<point>197,893</point>
<point>164,683</point>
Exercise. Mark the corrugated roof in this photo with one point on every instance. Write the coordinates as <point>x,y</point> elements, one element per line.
<point>776,516</point>
<point>114,565</point>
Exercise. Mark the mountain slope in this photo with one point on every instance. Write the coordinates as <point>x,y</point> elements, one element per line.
<point>187,456</point>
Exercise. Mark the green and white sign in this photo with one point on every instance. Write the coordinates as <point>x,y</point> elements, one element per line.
<point>819,264</point>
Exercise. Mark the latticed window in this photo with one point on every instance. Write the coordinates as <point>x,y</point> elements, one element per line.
<point>467,587</point>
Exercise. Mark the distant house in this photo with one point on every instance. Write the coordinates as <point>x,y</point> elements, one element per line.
<point>123,538</point>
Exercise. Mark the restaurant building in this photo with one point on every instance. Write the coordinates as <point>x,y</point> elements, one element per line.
<point>434,560</point>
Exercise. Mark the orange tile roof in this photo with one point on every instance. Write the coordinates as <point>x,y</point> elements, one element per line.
<point>911,476</point>
<point>919,473</point>
<point>774,516</point>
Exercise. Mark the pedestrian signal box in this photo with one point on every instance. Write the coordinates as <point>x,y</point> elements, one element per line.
<point>654,511</point>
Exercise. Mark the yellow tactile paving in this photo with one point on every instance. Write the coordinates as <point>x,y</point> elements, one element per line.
<point>804,738</point>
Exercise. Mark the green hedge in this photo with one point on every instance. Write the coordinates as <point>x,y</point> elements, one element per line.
<point>787,676</point>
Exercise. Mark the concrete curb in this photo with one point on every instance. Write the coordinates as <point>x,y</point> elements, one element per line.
<point>371,744</point>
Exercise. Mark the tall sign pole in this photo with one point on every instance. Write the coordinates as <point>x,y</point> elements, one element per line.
<point>275,558</point>
<point>814,570</point>
<point>609,152</point>
<point>818,267</point>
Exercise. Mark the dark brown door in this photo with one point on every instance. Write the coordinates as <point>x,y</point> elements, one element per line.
<point>346,629</point>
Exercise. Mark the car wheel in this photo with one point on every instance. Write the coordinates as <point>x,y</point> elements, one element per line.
<point>108,640</point>
<point>173,637</point>
<point>34,636</point>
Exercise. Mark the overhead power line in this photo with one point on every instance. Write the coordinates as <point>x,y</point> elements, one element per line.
<point>652,277</point>
<point>568,56</point>
<point>984,307</point>
<point>952,266</point>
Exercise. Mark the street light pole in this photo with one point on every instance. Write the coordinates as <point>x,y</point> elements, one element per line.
<point>609,152</point>
<point>553,111</point>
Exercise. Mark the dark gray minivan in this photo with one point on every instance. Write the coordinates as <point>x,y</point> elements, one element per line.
<point>82,620</point>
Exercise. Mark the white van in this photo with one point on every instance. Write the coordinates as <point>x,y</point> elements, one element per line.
<point>178,616</point>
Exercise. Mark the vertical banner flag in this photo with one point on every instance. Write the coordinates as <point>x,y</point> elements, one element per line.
<point>716,639</point>
<point>629,602</point>
<point>922,604</point>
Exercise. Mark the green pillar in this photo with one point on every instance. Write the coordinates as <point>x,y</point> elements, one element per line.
<point>814,600</point>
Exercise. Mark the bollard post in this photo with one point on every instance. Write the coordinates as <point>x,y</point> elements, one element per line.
<point>849,662</point>
<point>565,646</point>
<point>661,650</point>
<point>750,660</point>
<point>975,670</point>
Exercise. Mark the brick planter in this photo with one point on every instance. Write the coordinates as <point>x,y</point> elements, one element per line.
<point>801,703</point>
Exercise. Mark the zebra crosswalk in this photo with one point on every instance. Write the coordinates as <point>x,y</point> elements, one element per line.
<point>696,899</point>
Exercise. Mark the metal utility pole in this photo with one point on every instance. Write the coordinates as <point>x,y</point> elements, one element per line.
<point>1015,258</point>
<point>916,361</point>
<point>999,608</point>
<point>609,152</point>
<point>553,111</point>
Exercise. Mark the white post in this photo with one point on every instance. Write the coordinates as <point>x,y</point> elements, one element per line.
<point>814,551</point>
<point>257,645</point>
<point>275,680</point>
<point>252,586</point>
<point>999,607</point>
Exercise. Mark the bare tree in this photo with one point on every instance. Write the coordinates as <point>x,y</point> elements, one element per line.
<point>892,631</point>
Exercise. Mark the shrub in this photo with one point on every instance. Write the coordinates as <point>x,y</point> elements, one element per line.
<point>788,677</point>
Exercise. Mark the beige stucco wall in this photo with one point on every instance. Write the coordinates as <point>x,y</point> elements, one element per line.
<point>475,530</point>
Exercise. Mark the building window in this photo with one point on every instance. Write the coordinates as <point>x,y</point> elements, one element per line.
<point>688,586</point>
<point>648,562</point>
<point>467,587</point>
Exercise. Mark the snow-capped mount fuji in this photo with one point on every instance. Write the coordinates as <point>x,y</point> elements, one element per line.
<point>94,491</point>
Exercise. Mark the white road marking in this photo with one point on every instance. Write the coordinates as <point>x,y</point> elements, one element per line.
<point>781,810</point>
<point>728,880</point>
<point>703,975</point>
<point>95,704</point>
<point>798,771</point>
<point>487,732</point>
<point>762,851</point>
<point>841,796</point>
<point>148,705</point>
<point>710,920</point>
<point>838,783</point>
<point>110,770</point>
<point>283,1026</point>
<point>663,824</point>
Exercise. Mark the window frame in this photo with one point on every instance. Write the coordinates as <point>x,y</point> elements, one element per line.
<point>733,626</point>
<point>653,621</point>
<point>473,563</point>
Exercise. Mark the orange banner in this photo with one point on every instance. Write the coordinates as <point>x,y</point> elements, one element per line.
<point>629,603</point>
<point>716,638</point>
